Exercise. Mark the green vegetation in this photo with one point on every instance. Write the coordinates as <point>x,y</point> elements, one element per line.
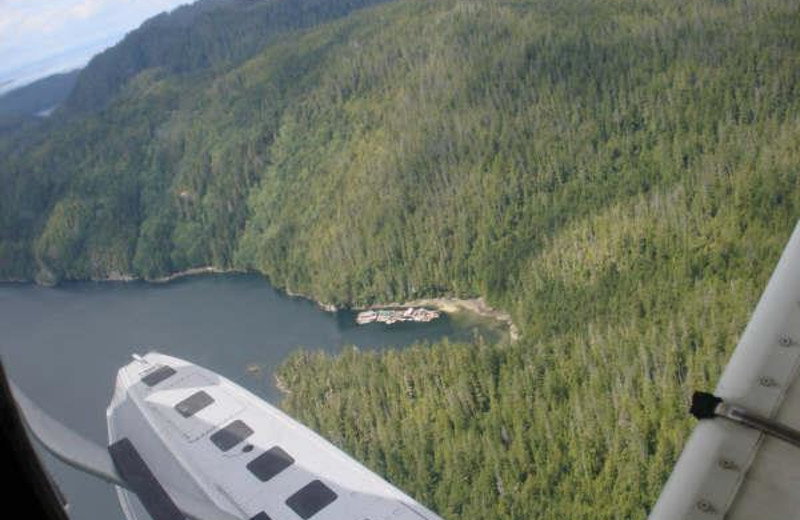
<point>620,175</point>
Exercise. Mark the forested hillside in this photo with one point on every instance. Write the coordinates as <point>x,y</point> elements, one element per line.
<point>620,175</point>
<point>207,35</point>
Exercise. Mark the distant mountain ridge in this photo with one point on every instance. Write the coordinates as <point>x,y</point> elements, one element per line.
<point>619,175</point>
<point>199,36</point>
<point>32,99</point>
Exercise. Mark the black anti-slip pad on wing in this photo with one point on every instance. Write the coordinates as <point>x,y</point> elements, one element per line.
<point>133,469</point>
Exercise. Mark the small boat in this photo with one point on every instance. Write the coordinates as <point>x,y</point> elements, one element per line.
<point>366,317</point>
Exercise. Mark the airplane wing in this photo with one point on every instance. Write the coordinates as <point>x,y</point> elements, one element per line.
<point>205,435</point>
<point>188,442</point>
<point>89,457</point>
<point>743,459</point>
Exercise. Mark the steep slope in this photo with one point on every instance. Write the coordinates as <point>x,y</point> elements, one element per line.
<point>620,175</point>
<point>146,116</point>
<point>207,34</point>
<point>445,163</point>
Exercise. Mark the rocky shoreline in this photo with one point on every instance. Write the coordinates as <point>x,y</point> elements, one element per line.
<point>281,385</point>
<point>327,307</point>
<point>116,276</point>
<point>477,306</point>
<point>196,271</point>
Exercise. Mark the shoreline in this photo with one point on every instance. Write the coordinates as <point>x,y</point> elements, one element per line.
<point>117,277</point>
<point>476,306</point>
<point>327,307</point>
<point>280,385</point>
<point>195,271</point>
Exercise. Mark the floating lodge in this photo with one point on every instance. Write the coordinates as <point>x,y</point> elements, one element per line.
<point>390,316</point>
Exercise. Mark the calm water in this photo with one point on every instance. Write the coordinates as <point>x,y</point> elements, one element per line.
<point>64,346</point>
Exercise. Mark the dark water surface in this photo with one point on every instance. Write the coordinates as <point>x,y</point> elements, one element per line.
<point>63,346</point>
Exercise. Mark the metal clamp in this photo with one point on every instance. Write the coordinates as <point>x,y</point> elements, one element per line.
<point>707,406</point>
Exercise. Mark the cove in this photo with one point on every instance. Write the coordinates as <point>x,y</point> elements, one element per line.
<point>63,346</point>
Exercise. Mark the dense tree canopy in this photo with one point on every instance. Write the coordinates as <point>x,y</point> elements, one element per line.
<point>621,175</point>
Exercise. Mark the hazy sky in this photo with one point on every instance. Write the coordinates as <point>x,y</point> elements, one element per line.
<point>41,37</point>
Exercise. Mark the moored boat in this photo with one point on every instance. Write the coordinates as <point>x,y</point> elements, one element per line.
<point>392,316</point>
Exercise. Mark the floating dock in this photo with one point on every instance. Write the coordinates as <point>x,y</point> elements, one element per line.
<point>391,316</point>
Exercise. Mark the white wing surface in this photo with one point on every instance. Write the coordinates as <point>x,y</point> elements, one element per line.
<point>210,439</point>
<point>738,471</point>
